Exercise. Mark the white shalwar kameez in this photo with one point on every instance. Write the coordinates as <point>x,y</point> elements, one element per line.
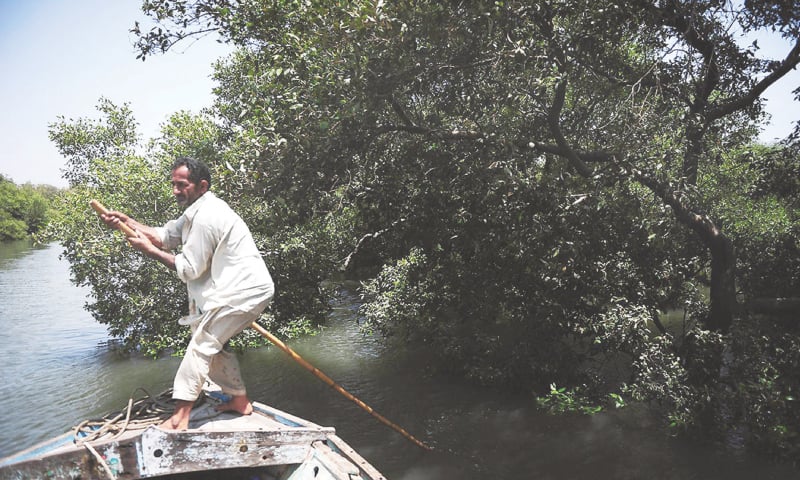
<point>228,285</point>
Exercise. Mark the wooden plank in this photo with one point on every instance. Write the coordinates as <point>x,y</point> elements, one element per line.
<point>77,463</point>
<point>36,451</point>
<point>367,470</point>
<point>163,452</point>
<point>282,417</point>
<point>51,467</point>
<point>158,452</point>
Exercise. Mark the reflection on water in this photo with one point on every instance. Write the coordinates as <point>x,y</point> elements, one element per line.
<point>48,342</point>
<point>57,371</point>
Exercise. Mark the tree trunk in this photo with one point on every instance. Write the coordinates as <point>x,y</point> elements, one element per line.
<point>694,137</point>
<point>724,304</point>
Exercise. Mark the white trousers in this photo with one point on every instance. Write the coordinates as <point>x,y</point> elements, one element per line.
<point>205,358</point>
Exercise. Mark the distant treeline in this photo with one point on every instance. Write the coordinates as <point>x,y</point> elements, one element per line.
<point>24,209</point>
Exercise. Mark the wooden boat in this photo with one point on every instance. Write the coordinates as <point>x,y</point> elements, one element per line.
<point>268,445</point>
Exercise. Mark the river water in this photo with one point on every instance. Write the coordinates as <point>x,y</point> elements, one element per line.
<point>58,369</point>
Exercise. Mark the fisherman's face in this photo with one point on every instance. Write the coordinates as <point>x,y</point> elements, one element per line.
<point>184,190</point>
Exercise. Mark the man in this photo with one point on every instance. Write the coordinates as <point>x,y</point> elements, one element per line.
<point>228,283</point>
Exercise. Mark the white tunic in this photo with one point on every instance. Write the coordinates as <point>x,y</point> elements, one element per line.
<point>219,261</point>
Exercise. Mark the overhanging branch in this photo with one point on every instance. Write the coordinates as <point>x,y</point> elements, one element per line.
<point>786,65</point>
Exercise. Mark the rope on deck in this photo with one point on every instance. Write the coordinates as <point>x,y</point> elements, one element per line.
<point>138,415</point>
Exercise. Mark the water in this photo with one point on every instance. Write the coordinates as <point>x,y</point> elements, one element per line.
<point>58,370</point>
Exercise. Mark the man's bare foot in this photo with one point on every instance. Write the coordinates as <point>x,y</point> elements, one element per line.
<point>238,403</point>
<point>180,418</point>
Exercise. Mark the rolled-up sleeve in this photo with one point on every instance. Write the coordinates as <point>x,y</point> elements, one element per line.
<point>170,233</point>
<point>194,261</point>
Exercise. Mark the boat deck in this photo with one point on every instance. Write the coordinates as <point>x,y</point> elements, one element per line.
<point>279,444</point>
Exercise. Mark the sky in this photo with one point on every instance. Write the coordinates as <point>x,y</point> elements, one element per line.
<point>59,57</point>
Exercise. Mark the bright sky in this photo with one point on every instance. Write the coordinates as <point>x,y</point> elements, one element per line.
<point>58,57</point>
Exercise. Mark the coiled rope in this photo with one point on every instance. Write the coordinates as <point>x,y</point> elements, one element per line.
<point>138,415</point>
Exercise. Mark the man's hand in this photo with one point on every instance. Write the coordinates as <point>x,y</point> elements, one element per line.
<point>141,237</point>
<point>112,219</point>
<point>143,244</point>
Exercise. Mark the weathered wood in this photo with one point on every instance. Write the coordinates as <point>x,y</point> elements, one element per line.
<point>366,469</point>
<point>268,439</point>
<point>167,452</point>
<point>158,452</point>
<point>50,467</point>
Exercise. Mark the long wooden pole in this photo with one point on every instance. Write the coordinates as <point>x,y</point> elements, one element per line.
<point>100,209</point>
<point>128,231</point>
<point>319,374</point>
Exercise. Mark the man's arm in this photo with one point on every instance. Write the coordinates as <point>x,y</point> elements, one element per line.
<point>147,240</point>
<point>147,247</point>
<point>114,218</point>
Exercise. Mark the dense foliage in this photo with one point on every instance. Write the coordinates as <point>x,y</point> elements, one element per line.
<point>140,300</point>
<point>24,209</point>
<point>524,187</point>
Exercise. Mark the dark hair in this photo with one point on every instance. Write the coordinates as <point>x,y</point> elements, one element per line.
<point>197,170</point>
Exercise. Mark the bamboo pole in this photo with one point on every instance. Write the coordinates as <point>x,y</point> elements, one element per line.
<point>100,209</point>
<point>319,374</point>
